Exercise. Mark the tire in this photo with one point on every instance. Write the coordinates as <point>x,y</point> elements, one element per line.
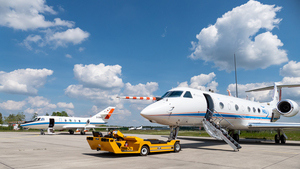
<point>277,139</point>
<point>82,132</point>
<point>282,139</point>
<point>144,150</point>
<point>71,131</point>
<point>177,147</point>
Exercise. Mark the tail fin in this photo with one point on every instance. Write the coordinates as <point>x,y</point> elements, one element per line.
<point>276,87</point>
<point>104,114</point>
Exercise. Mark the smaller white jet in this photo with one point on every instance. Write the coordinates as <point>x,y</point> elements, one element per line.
<point>51,123</point>
<point>136,128</point>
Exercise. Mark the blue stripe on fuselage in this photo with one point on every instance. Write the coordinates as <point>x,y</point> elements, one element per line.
<point>217,115</point>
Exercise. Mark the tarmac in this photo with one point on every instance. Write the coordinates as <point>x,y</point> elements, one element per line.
<point>30,150</point>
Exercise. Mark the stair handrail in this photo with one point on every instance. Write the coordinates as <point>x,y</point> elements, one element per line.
<point>220,116</point>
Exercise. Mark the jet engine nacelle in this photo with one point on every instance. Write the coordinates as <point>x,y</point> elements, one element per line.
<point>287,108</point>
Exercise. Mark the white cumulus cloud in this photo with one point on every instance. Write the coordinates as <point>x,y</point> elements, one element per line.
<point>74,36</point>
<point>202,82</point>
<point>292,69</point>
<point>24,15</point>
<point>65,105</point>
<point>23,81</point>
<point>245,32</point>
<point>145,90</point>
<point>262,96</point>
<point>99,76</point>
<point>40,101</point>
<point>12,105</point>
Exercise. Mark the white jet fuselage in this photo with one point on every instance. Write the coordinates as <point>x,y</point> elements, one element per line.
<point>189,109</point>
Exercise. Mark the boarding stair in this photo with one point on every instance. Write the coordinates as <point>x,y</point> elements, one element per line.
<point>50,130</point>
<point>213,128</point>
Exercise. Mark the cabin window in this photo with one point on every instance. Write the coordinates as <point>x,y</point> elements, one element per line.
<point>74,120</point>
<point>42,119</point>
<point>221,105</point>
<point>236,107</point>
<point>188,95</point>
<point>65,120</point>
<point>79,121</point>
<point>254,110</point>
<point>258,110</point>
<point>60,119</point>
<point>174,94</point>
<point>70,120</point>
<point>249,109</point>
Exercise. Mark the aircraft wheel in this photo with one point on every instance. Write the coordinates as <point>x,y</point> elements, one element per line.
<point>144,151</point>
<point>236,137</point>
<point>82,132</point>
<point>282,139</point>
<point>177,147</point>
<point>71,131</point>
<point>277,139</point>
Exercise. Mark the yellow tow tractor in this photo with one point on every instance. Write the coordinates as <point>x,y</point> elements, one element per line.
<point>117,143</point>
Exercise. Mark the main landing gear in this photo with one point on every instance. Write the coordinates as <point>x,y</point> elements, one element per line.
<point>280,138</point>
<point>42,132</point>
<point>71,131</point>
<point>234,135</point>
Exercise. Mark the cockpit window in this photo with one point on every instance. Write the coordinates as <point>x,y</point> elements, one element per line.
<point>166,94</point>
<point>188,94</point>
<point>35,119</point>
<point>175,94</point>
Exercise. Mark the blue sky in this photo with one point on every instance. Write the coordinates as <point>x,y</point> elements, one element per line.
<point>78,56</point>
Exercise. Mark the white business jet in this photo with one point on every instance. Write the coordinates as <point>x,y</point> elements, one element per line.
<point>136,128</point>
<point>220,113</point>
<point>51,123</point>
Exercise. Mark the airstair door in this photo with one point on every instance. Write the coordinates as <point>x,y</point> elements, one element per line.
<point>210,106</point>
<point>51,122</point>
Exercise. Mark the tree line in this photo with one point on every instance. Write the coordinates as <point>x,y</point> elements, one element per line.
<point>21,116</point>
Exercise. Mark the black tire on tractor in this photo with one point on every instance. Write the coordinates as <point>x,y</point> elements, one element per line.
<point>177,147</point>
<point>144,150</point>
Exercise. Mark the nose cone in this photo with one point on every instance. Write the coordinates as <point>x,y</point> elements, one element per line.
<point>157,108</point>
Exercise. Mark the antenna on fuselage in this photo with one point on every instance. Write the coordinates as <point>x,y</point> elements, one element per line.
<point>236,87</point>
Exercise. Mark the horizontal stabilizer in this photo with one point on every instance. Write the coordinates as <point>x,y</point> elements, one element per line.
<point>272,87</point>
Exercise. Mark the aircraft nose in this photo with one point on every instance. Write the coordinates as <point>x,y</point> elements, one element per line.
<point>153,109</point>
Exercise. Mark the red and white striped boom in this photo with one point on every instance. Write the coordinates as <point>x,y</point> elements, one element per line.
<point>137,98</point>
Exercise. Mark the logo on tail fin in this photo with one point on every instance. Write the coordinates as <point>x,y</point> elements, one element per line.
<point>109,113</point>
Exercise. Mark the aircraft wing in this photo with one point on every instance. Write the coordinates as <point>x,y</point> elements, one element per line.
<point>275,125</point>
<point>84,127</point>
<point>78,127</point>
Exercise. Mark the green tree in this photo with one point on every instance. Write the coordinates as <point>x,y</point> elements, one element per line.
<point>12,117</point>
<point>34,116</point>
<point>63,113</point>
<point>1,119</point>
<point>47,114</point>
